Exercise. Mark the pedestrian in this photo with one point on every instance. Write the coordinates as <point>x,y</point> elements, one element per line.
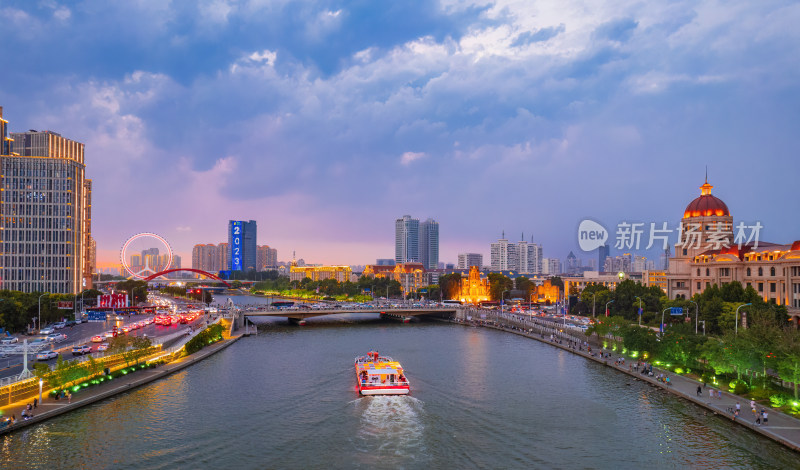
<point>69,397</point>
<point>764,417</point>
<point>699,391</point>
<point>711,393</point>
<point>738,408</point>
<point>35,402</point>
<point>719,394</point>
<point>753,406</point>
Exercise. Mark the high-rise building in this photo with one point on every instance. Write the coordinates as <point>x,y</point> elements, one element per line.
<point>223,258</point>
<point>467,260</point>
<point>551,266</point>
<point>204,257</point>
<point>406,240</point>
<point>266,258</point>
<point>45,220</point>
<point>602,253</point>
<point>503,255</point>
<point>384,262</point>
<point>242,245</point>
<point>429,244</point>
<point>572,264</point>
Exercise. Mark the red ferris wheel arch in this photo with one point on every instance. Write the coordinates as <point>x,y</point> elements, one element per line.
<point>198,271</point>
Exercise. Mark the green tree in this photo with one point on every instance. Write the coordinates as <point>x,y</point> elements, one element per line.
<point>450,285</point>
<point>681,345</point>
<point>788,357</point>
<point>643,340</point>
<point>498,284</point>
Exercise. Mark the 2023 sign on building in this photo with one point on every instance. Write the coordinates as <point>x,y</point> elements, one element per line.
<point>236,245</point>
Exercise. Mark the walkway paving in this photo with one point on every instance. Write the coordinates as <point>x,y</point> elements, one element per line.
<point>50,407</point>
<point>781,427</point>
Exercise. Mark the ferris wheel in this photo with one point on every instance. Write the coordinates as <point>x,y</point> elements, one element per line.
<point>145,269</point>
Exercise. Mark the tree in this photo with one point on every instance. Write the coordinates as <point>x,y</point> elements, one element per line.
<point>137,290</point>
<point>643,340</point>
<point>681,345</point>
<point>788,357</point>
<point>498,284</point>
<point>450,285</point>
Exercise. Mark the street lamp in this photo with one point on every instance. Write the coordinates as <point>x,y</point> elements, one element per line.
<point>593,294</point>
<point>502,296</point>
<point>607,303</point>
<point>41,382</point>
<point>736,326</point>
<point>662,320</point>
<point>40,309</point>
<point>696,309</point>
<point>640,309</point>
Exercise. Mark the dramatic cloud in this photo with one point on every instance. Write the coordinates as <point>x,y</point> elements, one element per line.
<point>326,120</point>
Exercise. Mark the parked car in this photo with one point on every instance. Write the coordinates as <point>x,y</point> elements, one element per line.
<point>81,350</point>
<point>98,339</point>
<point>46,355</point>
<point>102,347</point>
<point>47,330</point>
<point>59,325</point>
<point>70,323</point>
<point>9,340</point>
<point>56,337</point>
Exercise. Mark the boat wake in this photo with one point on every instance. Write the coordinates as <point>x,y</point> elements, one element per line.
<point>391,431</point>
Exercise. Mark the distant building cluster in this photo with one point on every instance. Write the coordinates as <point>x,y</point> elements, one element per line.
<point>150,260</point>
<point>240,253</point>
<point>46,242</point>
<point>522,256</point>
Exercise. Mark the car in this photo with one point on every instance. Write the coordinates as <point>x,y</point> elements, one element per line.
<point>9,340</point>
<point>59,325</point>
<point>98,339</point>
<point>47,330</point>
<point>81,350</point>
<point>56,337</point>
<point>70,323</point>
<point>46,355</point>
<point>102,347</point>
<point>110,334</point>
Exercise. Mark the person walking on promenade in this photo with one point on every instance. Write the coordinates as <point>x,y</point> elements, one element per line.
<point>69,397</point>
<point>753,406</point>
<point>738,408</point>
<point>35,402</point>
<point>699,391</point>
<point>764,416</point>
<point>711,393</point>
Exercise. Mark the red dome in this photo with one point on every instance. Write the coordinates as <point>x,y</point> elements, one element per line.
<point>796,245</point>
<point>706,205</point>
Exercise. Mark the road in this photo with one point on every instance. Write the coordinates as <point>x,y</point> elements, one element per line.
<point>81,334</point>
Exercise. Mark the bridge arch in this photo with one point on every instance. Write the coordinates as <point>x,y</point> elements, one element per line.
<point>197,271</point>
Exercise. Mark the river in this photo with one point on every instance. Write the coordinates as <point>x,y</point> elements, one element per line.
<point>480,399</point>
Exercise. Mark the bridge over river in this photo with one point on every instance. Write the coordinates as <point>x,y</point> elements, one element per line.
<point>299,315</point>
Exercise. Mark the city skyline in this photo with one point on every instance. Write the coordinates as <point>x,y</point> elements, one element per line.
<point>612,110</point>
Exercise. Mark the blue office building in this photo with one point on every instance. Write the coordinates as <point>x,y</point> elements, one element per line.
<point>241,245</point>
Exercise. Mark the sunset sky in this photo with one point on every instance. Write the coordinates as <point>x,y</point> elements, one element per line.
<point>326,120</point>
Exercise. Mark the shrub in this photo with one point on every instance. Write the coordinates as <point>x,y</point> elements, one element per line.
<point>779,400</point>
<point>740,388</point>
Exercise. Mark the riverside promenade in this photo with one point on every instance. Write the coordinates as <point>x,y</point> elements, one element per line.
<point>781,427</point>
<point>50,408</point>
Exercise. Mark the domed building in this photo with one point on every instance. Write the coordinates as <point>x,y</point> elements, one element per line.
<point>709,253</point>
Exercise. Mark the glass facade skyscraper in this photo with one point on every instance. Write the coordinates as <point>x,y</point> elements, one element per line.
<point>45,214</point>
<point>406,240</point>
<point>242,247</point>
<point>429,244</point>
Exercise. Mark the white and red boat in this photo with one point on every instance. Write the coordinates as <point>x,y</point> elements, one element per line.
<point>380,375</point>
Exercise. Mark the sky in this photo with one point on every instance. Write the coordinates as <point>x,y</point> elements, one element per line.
<point>325,121</point>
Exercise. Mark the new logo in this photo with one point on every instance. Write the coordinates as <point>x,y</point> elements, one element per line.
<point>591,235</point>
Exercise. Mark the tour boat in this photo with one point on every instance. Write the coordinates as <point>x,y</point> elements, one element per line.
<point>380,375</point>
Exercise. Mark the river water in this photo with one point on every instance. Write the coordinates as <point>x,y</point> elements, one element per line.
<point>480,399</point>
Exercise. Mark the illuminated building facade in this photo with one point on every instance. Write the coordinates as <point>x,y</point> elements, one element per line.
<point>411,276</point>
<point>547,293</point>
<point>321,273</point>
<point>708,254</point>
<point>45,213</point>
<point>655,278</point>
<point>406,240</point>
<point>474,289</point>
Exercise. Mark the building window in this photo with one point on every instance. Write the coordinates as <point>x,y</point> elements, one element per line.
<point>761,287</point>
<point>748,272</point>
<point>698,285</point>
<point>772,287</point>
<point>684,252</point>
<point>760,272</point>
<point>772,271</point>
<point>708,273</point>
